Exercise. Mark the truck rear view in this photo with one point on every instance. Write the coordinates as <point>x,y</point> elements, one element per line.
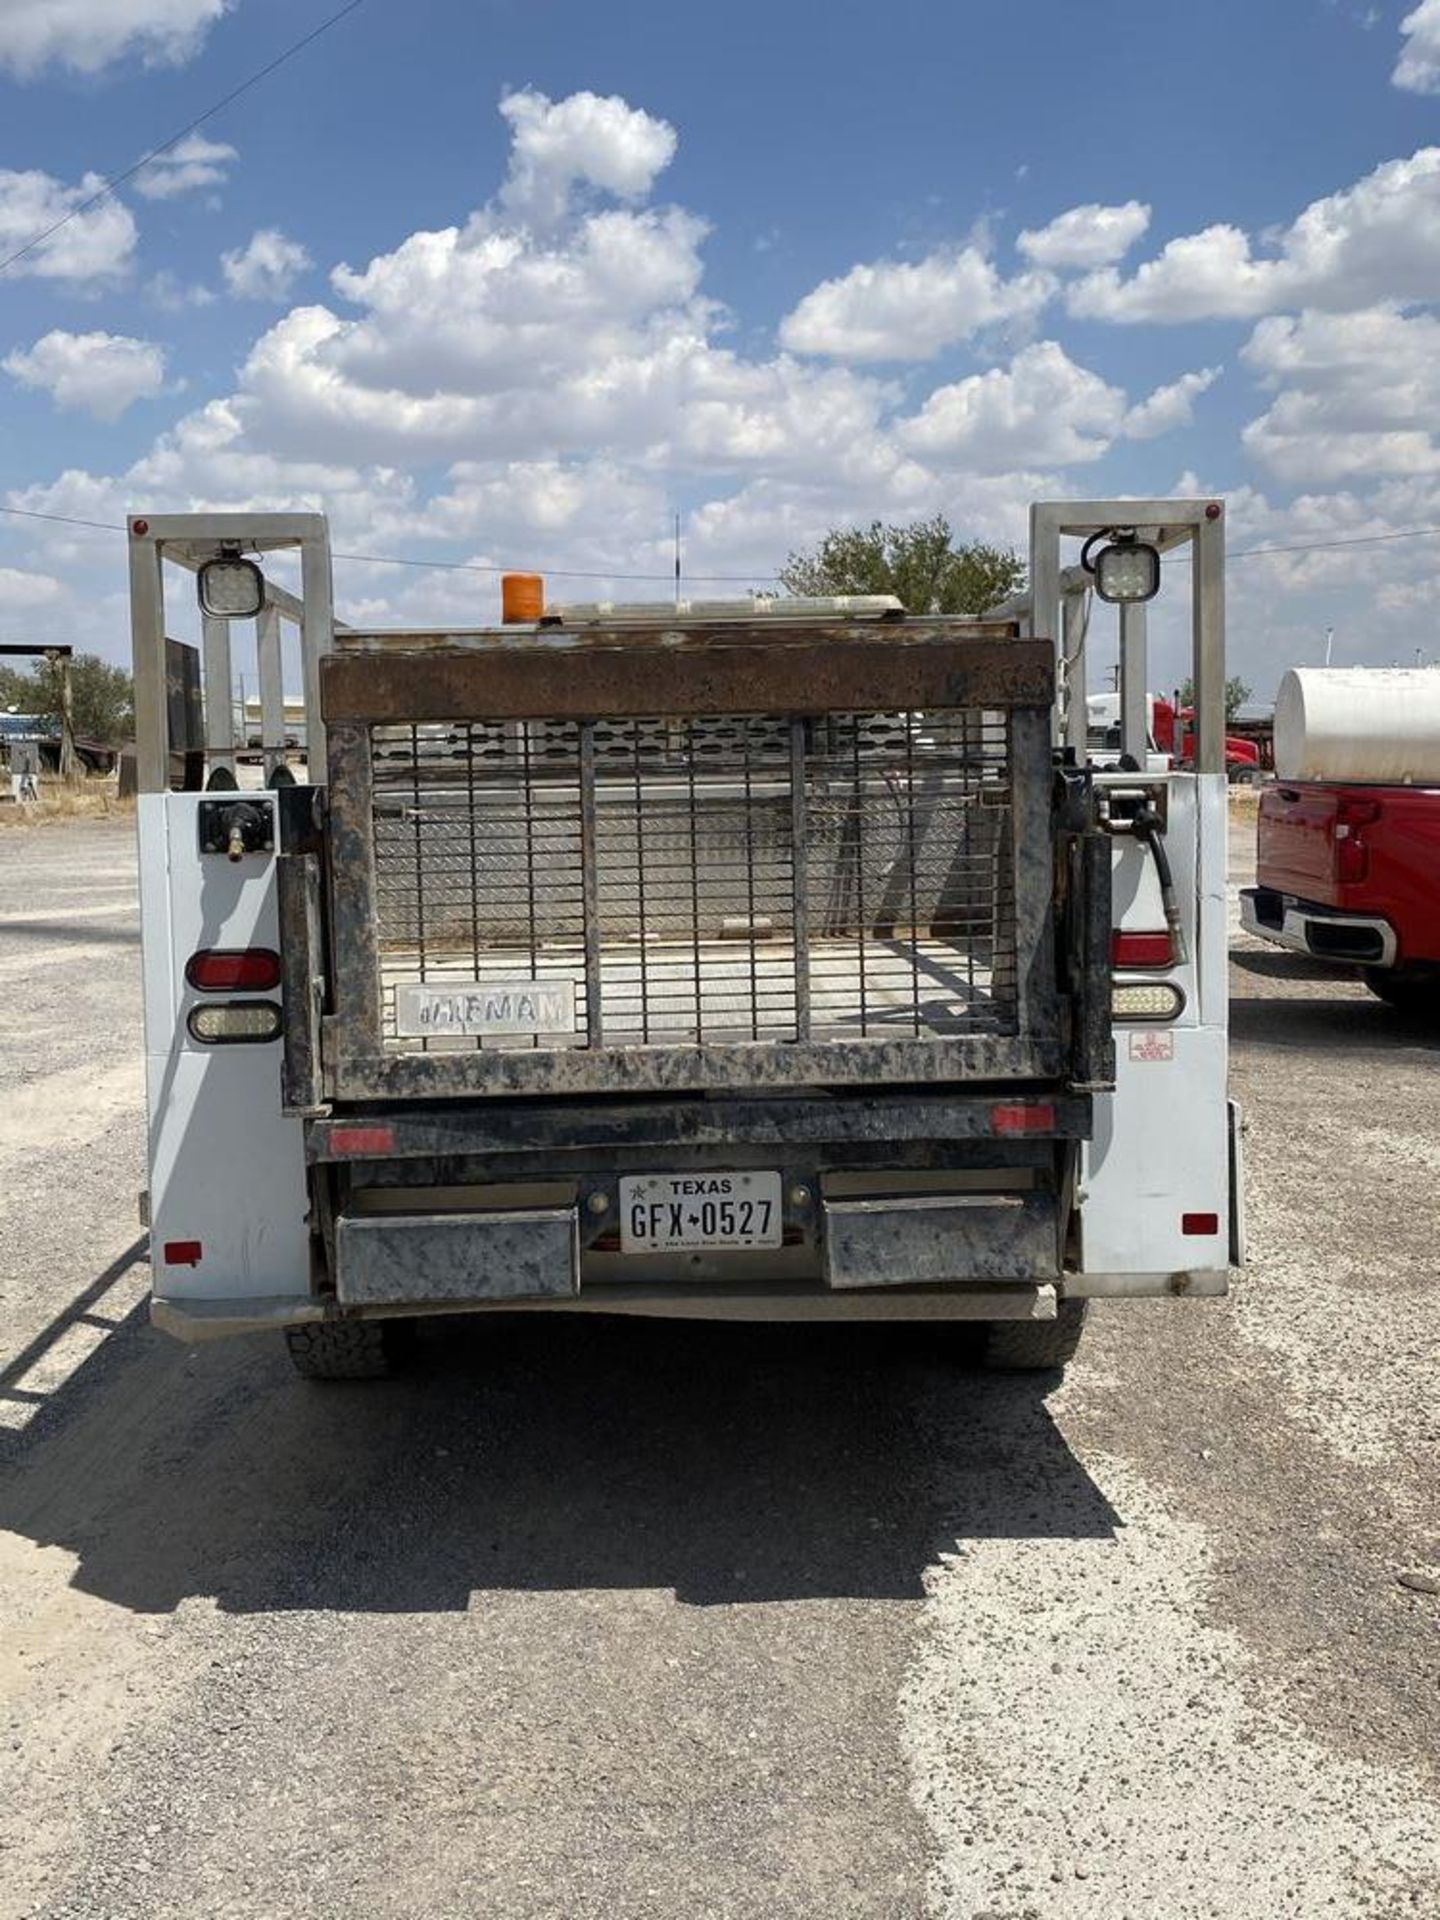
<point>760,961</point>
<point>1348,848</point>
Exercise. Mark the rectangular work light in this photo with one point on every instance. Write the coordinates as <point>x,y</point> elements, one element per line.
<point>1127,571</point>
<point>231,588</point>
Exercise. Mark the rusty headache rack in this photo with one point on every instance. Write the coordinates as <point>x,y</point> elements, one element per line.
<point>663,858</point>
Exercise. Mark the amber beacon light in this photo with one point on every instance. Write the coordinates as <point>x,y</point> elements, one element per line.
<point>522,598</point>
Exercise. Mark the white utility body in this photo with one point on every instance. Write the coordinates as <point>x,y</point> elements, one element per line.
<point>723,962</point>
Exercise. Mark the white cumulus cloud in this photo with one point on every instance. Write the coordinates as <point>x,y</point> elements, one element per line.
<point>22,590</point>
<point>1418,68</point>
<point>583,336</point>
<point>584,139</point>
<point>87,35</point>
<point>556,357</point>
<point>266,267</point>
<point>1376,240</point>
<point>898,310</point>
<point>1043,410</point>
<point>1088,236</point>
<point>1169,406</point>
<point>1357,395</point>
<point>191,163</point>
<point>96,245</point>
<point>100,373</point>
<point>171,294</point>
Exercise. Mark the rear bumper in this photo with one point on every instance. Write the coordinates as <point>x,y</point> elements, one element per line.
<point>1349,939</point>
<point>405,1258</point>
<point>939,1208</point>
<point>456,1206</point>
<point>198,1320</point>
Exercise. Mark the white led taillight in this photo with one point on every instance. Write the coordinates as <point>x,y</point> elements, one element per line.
<point>1146,1000</point>
<point>226,1022</point>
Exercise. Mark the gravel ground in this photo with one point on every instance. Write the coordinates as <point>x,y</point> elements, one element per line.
<point>653,1621</point>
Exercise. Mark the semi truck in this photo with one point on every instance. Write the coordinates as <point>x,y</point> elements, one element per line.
<point>771,960</point>
<point>1348,838</point>
<point>1170,733</point>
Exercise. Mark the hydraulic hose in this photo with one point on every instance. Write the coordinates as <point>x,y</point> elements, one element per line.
<point>1147,824</point>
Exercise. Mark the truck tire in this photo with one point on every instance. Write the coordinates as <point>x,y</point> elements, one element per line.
<point>1035,1346</point>
<point>1413,993</point>
<point>342,1349</point>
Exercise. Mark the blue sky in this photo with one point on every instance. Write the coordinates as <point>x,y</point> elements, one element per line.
<point>509,281</point>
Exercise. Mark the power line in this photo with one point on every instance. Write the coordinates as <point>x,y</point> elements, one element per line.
<point>1349,540</point>
<point>1183,554</point>
<point>731,579</point>
<point>441,566</point>
<point>119,179</point>
<point>64,519</point>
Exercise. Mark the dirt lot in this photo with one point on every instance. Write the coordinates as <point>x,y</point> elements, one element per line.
<point>645,1621</point>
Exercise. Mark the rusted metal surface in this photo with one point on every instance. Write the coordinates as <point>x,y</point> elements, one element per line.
<point>589,891</point>
<point>983,1160</point>
<point>302,981</point>
<point>915,665</point>
<point>1031,870</point>
<point>690,1069</point>
<point>929,1239</point>
<point>530,1253</point>
<point>688,630</point>
<point>354,947</point>
<point>799,880</point>
<point>1094,1032</point>
<point>598,1127</point>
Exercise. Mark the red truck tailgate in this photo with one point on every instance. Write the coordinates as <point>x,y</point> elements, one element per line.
<point>1296,842</point>
<point>1361,849</point>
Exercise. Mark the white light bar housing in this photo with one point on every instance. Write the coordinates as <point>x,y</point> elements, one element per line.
<point>753,606</point>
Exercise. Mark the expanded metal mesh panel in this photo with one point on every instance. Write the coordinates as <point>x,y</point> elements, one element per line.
<point>733,878</point>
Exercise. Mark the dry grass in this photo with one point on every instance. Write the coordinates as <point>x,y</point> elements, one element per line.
<point>94,800</point>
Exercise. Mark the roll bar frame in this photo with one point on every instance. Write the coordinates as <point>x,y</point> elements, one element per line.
<point>1057,603</point>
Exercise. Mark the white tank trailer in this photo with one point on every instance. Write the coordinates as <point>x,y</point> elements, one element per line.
<point>1374,725</point>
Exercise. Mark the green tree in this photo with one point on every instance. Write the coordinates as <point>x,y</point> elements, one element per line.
<point>102,695</point>
<point>919,563</point>
<point>1236,694</point>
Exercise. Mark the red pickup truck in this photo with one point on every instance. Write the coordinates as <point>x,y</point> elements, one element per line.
<point>1348,861</point>
<point>1351,873</point>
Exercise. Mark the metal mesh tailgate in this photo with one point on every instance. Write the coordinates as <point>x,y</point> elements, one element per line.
<point>535,901</point>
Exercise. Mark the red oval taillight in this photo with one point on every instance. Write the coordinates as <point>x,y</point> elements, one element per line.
<point>233,970</point>
<point>1140,949</point>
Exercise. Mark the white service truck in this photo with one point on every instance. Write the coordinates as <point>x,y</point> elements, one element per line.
<point>782,960</point>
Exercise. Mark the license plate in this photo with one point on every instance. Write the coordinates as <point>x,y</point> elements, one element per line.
<point>665,1212</point>
<point>498,1007</point>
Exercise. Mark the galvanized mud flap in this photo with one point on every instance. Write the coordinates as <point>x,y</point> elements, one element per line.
<point>922,1239</point>
<point>528,1253</point>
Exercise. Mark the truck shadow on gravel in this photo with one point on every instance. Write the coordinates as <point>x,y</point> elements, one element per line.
<point>1268,964</point>
<point>729,1463</point>
<point>1348,1016</point>
<point>1348,1025</point>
